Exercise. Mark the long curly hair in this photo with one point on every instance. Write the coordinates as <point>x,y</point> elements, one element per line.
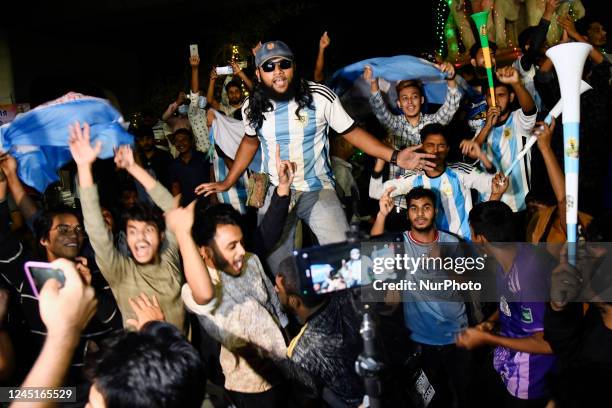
<point>262,95</point>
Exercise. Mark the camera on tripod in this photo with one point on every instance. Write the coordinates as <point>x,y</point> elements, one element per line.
<point>350,266</point>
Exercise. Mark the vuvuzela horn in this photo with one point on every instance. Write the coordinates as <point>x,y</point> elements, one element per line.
<point>554,113</point>
<point>569,60</point>
<point>481,25</point>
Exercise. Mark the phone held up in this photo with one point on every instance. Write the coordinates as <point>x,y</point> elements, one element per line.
<point>226,70</point>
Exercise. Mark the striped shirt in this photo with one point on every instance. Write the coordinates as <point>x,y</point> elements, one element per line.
<point>236,196</point>
<point>404,134</point>
<point>477,108</point>
<point>502,146</point>
<point>452,188</point>
<point>304,139</point>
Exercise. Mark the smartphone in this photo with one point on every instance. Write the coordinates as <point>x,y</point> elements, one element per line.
<point>193,50</point>
<point>40,272</point>
<point>227,70</point>
<point>345,265</point>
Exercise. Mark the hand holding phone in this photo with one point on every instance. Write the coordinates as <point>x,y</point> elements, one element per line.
<point>65,307</point>
<point>38,273</point>
<point>227,70</point>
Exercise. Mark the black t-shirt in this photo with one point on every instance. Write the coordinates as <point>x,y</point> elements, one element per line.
<point>160,163</point>
<point>190,175</point>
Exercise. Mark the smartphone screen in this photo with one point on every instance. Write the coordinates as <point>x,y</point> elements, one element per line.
<point>227,70</point>
<point>193,49</point>
<point>40,272</point>
<point>341,266</point>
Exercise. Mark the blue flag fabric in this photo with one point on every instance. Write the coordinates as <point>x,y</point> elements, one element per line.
<point>395,69</point>
<point>354,91</point>
<point>38,139</point>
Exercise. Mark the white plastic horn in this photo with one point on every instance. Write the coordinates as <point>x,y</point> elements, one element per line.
<point>554,113</point>
<point>569,60</point>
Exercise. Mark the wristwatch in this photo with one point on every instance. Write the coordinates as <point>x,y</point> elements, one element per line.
<point>394,157</point>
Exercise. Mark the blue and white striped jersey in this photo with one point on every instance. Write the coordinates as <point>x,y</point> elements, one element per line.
<point>302,139</point>
<point>236,196</point>
<point>502,146</point>
<point>452,188</point>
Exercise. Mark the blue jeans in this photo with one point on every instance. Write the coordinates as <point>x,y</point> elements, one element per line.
<point>320,210</point>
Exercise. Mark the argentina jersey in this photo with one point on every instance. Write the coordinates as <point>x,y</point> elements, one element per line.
<point>502,146</point>
<point>302,139</point>
<point>452,188</point>
<point>236,196</point>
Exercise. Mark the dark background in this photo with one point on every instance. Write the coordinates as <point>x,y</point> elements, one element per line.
<point>136,51</point>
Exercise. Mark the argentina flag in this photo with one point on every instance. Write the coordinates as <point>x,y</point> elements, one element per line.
<point>354,92</point>
<point>38,139</point>
<point>226,134</point>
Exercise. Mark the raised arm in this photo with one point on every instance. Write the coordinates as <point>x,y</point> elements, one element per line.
<point>538,36</point>
<point>568,25</point>
<point>173,106</point>
<point>385,205</point>
<point>270,230</point>
<point>509,75</point>
<point>194,61</point>
<point>210,93</point>
<point>240,74</point>
<point>124,159</point>
<point>320,63</point>
<point>26,205</point>
<point>180,222</point>
<point>108,257</point>
<point>553,169</point>
<point>453,96</point>
<point>377,103</point>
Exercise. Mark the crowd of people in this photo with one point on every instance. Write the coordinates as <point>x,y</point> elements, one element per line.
<point>178,257</point>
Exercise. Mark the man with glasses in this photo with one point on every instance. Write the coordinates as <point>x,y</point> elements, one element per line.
<point>60,234</point>
<point>287,111</point>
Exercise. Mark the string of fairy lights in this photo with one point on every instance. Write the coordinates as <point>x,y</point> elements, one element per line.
<point>446,27</point>
<point>441,10</point>
<point>238,59</point>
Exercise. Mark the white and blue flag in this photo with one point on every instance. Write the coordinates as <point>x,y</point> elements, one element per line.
<point>38,139</point>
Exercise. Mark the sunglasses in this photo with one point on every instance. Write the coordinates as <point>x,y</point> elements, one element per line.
<point>269,66</point>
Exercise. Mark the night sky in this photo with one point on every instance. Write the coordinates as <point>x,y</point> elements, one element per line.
<point>138,50</point>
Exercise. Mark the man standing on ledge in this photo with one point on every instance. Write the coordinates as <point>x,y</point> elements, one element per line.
<point>295,114</point>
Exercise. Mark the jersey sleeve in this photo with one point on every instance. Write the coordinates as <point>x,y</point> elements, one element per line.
<point>339,120</point>
<point>524,123</point>
<point>402,186</point>
<point>478,180</point>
